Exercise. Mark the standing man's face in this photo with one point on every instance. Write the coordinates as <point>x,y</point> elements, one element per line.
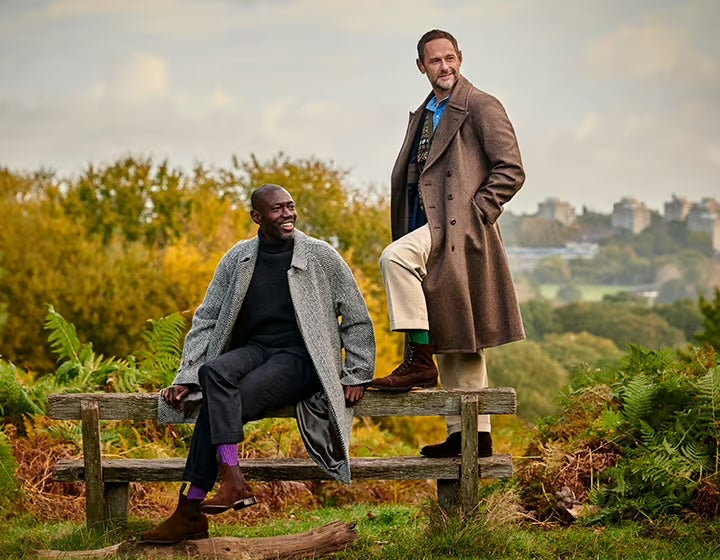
<point>275,215</point>
<point>441,62</point>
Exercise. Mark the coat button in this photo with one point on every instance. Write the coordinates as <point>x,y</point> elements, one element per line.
<point>449,173</point>
<point>450,197</point>
<point>453,222</point>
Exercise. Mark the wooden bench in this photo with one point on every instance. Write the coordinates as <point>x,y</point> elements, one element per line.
<point>107,480</point>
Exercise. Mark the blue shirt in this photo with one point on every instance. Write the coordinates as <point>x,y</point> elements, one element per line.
<point>437,109</point>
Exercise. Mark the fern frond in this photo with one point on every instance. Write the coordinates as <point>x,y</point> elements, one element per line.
<point>641,360</point>
<point>648,433</point>
<point>15,400</point>
<point>708,387</point>
<point>699,459</point>
<point>63,338</point>
<point>638,399</point>
<point>161,358</point>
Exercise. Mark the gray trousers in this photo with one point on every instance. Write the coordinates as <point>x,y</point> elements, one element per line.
<point>239,386</point>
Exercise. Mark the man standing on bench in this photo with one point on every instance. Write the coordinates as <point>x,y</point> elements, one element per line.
<point>271,331</point>
<point>446,274</point>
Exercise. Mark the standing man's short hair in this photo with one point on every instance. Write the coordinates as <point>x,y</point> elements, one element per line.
<point>431,36</point>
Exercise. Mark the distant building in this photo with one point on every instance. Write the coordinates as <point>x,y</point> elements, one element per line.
<point>677,209</point>
<point>555,209</point>
<point>522,259</point>
<point>630,215</point>
<point>705,217</point>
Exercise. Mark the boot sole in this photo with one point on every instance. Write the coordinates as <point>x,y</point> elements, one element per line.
<point>481,455</point>
<point>195,537</point>
<point>404,389</point>
<point>213,509</point>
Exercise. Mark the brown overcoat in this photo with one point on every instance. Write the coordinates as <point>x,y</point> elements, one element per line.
<point>473,168</point>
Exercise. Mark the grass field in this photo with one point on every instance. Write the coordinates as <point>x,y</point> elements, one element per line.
<point>400,532</point>
<point>590,292</point>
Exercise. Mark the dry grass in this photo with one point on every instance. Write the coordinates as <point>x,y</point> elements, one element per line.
<point>37,451</point>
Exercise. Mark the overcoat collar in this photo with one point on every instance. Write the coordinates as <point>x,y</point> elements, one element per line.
<point>455,114</point>
<point>248,258</point>
<point>299,257</point>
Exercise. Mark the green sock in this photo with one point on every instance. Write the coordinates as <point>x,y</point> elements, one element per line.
<point>419,337</point>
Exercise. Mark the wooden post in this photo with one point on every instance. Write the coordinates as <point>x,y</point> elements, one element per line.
<point>92,457</point>
<point>117,496</point>
<point>448,492</point>
<point>469,452</point>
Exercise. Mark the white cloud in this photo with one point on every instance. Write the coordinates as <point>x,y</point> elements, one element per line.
<point>143,77</point>
<point>162,17</point>
<point>586,126</point>
<point>712,154</point>
<point>638,51</point>
<point>220,98</point>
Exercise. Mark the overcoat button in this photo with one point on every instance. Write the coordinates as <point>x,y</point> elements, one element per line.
<point>450,197</point>
<point>449,173</point>
<point>453,221</point>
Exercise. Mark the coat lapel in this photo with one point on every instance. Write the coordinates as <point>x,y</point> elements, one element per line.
<point>246,266</point>
<point>455,114</point>
<point>413,124</point>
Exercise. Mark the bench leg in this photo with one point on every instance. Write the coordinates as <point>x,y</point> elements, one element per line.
<point>94,490</point>
<point>116,501</point>
<point>461,496</point>
<point>469,472</point>
<point>448,492</point>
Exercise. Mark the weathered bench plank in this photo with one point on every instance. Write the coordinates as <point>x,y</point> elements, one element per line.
<point>372,468</point>
<point>428,402</point>
<point>107,480</point>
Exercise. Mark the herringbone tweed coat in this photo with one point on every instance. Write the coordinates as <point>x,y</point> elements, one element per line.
<point>332,317</point>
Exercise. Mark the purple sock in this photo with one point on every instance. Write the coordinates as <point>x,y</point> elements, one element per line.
<point>196,493</point>
<point>228,454</point>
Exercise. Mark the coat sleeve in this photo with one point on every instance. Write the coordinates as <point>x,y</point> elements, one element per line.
<point>203,323</point>
<point>356,327</point>
<point>497,138</point>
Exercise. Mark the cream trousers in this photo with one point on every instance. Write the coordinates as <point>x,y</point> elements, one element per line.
<point>403,266</point>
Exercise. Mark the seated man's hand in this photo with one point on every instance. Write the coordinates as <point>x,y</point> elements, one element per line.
<point>174,395</point>
<point>353,394</point>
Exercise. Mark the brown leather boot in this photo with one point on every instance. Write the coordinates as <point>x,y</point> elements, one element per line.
<point>418,370</point>
<point>186,522</point>
<point>451,446</point>
<point>234,492</point>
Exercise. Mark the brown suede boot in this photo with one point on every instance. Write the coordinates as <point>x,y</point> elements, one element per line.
<point>186,522</point>
<point>234,492</point>
<point>418,370</point>
<point>451,446</point>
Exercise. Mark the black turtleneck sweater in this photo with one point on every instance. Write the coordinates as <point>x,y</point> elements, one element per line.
<point>267,316</point>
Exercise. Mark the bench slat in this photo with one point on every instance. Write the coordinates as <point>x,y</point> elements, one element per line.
<point>428,402</point>
<point>395,468</point>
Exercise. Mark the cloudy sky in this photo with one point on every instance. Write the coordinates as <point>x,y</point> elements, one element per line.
<point>608,98</point>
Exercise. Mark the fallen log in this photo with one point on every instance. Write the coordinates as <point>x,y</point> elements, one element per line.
<point>332,537</point>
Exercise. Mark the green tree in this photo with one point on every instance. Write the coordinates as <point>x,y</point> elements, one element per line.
<point>538,318</point>
<point>614,264</point>
<point>541,232</point>
<point>710,328</point>
<point>573,349</point>
<point>569,292</point>
<point>3,301</point>
<point>552,270</point>
<point>536,377</point>
<point>623,324</point>
<point>682,314</point>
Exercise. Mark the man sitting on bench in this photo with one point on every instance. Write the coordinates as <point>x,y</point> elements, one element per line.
<point>270,331</point>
